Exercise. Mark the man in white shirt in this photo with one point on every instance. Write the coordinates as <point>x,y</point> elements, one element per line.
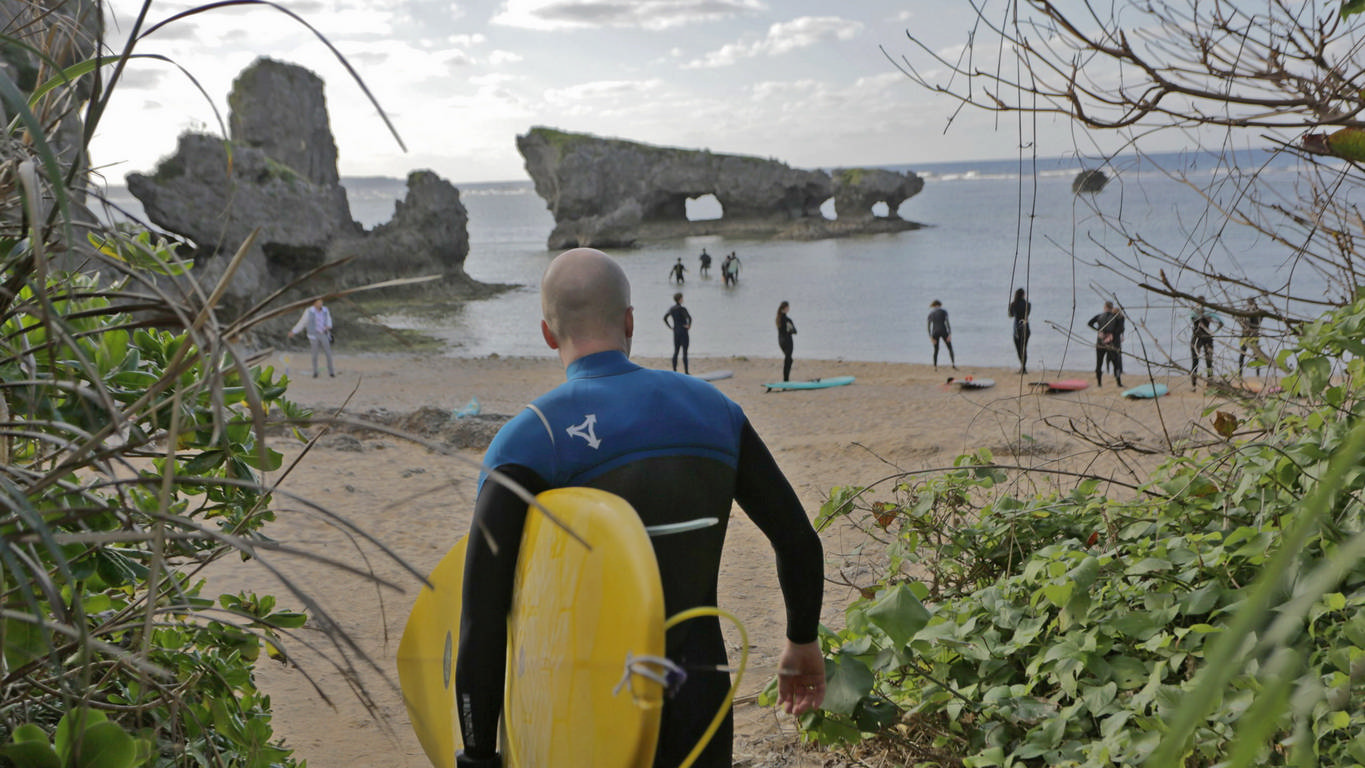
<point>317,319</point>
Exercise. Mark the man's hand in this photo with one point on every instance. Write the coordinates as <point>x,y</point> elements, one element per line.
<point>801,678</point>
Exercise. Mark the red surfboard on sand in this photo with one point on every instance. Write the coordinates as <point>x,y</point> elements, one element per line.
<point>1065,385</point>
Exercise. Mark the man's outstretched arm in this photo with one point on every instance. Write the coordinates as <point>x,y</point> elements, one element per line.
<point>768,498</point>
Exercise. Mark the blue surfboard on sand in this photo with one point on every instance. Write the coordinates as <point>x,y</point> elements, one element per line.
<point>1146,391</point>
<point>834,381</point>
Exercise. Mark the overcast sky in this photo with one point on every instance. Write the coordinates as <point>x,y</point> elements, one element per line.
<point>801,81</point>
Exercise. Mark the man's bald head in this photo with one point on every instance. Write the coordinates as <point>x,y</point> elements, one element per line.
<point>585,300</point>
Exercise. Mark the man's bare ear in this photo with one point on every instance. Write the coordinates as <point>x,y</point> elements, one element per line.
<point>630,322</point>
<point>548,335</point>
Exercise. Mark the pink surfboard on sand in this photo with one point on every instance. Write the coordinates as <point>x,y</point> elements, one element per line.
<point>1065,385</point>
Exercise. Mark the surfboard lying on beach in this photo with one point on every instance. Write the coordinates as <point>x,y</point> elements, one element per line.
<point>1146,391</point>
<point>715,375</point>
<point>971,382</point>
<point>1065,385</point>
<point>835,381</point>
<point>582,617</point>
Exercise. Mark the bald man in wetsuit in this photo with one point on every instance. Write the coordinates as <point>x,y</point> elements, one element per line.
<point>677,450</point>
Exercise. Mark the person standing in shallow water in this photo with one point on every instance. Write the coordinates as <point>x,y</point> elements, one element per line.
<point>1020,309</point>
<point>675,272</point>
<point>786,329</point>
<point>680,320</point>
<point>939,329</point>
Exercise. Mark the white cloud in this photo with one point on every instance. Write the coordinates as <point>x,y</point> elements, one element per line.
<point>457,58</point>
<point>499,58</point>
<point>493,79</point>
<point>641,14</point>
<point>782,38</point>
<point>466,41</point>
<point>600,92</point>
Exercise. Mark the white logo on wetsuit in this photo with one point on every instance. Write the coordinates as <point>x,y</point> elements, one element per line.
<point>585,431</point>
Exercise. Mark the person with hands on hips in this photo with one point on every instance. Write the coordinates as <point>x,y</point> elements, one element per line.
<point>678,450</point>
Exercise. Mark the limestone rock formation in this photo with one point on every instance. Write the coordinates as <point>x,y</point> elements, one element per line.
<point>216,200</point>
<point>299,135</point>
<point>858,190</point>
<point>428,234</point>
<point>278,173</point>
<point>610,192</point>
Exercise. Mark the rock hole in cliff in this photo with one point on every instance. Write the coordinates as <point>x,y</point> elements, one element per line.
<point>828,210</point>
<point>880,209</point>
<point>704,208</point>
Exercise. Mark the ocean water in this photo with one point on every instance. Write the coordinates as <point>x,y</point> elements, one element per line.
<point>991,227</point>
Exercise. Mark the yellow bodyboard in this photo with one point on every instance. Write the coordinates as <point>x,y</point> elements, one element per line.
<point>580,615</point>
<point>426,659</point>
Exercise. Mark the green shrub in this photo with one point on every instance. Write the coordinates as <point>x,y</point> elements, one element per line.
<point>1213,617</point>
<point>131,455</point>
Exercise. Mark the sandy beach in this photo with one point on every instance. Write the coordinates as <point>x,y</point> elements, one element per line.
<point>339,706</point>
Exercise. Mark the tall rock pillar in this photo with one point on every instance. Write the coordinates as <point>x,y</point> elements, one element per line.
<point>281,110</point>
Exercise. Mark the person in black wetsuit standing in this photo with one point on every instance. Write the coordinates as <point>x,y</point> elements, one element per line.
<point>1020,309</point>
<point>677,450</point>
<point>939,329</point>
<point>786,329</point>
<point>1109,328</point>
<point>680,320</point>
<point>1202,323</point>
<point>1250,344</point>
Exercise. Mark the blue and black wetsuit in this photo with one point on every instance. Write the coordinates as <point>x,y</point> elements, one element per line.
<point>677,450</point>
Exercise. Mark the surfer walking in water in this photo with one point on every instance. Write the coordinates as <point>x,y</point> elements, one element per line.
<point>1020,309</point>
<point>675,273</point>
<point>729,269</point>
<point>940,330</point>
<point>680,320</point>
<point>786,329</point>
<point>668,445</point>
<point>705,268</point>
